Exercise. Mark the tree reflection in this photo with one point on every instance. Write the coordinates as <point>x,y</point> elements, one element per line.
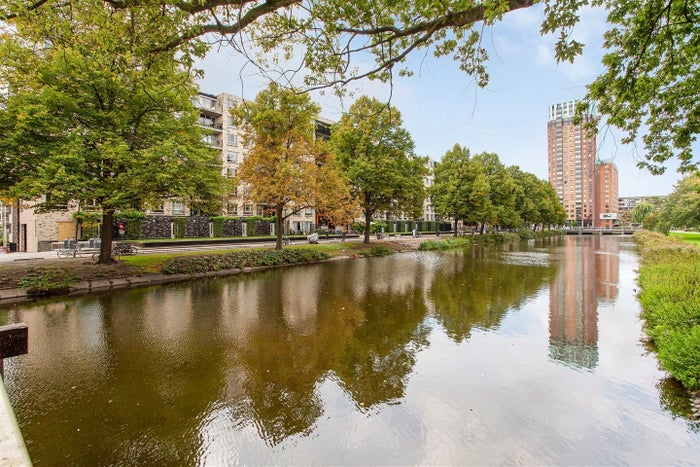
<point>380,354</point>
<point>477,291</point>
<point>366,336</point>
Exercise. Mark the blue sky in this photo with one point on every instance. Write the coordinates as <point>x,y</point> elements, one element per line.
<point>441,106</point>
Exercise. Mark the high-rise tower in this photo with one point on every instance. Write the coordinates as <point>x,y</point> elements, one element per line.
<point>572,154</point>
<point>605,194</point>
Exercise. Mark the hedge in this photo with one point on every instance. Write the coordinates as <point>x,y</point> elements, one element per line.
<point>241,259</point>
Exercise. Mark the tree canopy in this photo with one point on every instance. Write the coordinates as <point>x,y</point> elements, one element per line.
<point>95,115</point>
<point>682,208</point>
<point>641,211</point>
<point>376,153</point>
<point>460,190</point>
<point>649,87</point>
<point>286,169</point>
<point>479,189</point>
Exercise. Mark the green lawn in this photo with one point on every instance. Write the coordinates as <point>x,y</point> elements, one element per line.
<point>690,237</point>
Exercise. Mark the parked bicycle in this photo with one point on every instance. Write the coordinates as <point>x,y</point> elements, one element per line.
<point>71,252</point>
<point>123,249</point>
<point>118,249</point>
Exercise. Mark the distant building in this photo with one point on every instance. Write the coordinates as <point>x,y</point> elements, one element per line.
<point>587,190</point>
<point>572,152</point>
<point>605,196</point>
<point>429,213</point>
<point>628,203</point>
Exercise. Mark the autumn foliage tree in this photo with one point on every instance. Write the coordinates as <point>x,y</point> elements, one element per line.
<point>286,169</point>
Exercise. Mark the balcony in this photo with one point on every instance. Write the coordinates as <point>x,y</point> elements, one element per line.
<point>212,140</point>
<point>206,105</point>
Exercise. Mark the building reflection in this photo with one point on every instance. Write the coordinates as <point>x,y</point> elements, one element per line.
<point>589,273</point>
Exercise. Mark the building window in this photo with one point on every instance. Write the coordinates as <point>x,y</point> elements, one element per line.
<point>178,208</point>
<point>232,157</point>
<point>248,209</point>
<point>210,140</point>
<point>232,139</point>
<point>158,208</point>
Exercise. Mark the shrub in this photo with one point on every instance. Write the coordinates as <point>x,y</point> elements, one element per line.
<point>376,250</point>
<point>241,259</point>
<point>526,233</point>
<point>498,237</point>
<point>447,243</point>
<point>377,227</point>
<point>47,281</point>
<point>132,229</point>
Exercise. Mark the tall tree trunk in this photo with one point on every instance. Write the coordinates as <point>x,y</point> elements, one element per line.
<point>278,227</point>
<point>75,235</point>
<point>368,221</point>
<point>483,225</point>
<point>106,236</point>
<point>455,229</point>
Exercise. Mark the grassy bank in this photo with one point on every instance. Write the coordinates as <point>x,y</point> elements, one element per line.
<point>669,278</point>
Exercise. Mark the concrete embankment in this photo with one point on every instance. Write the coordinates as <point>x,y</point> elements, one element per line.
<point>12,449</point>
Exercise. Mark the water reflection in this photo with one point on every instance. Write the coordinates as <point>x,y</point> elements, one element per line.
<point>248,368</point>
<point>588,274</point>
<point>479,287</point>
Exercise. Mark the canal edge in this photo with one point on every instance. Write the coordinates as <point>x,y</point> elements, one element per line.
<point>13,451</point>
<point>19,295</point>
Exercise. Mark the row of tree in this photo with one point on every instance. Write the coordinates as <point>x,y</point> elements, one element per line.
<point>479,189</point>
<point>369,166</point>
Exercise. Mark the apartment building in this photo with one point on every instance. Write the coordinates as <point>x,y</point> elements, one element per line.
<point>586,186</point>
<point>605,196</point>
<point>429,213</point>
<point>572,153</point>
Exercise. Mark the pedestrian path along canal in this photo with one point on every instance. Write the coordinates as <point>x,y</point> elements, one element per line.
<point>526,354</point>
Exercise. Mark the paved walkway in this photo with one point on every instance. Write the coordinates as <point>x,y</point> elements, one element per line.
<point>9,257</point>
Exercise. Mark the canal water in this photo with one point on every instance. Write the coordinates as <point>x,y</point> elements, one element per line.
<point>529,354</point>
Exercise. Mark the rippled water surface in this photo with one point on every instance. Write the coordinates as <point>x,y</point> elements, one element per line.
<point>524,355</point>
